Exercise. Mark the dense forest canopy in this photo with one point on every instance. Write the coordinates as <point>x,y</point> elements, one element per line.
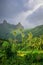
<point>28,52</point>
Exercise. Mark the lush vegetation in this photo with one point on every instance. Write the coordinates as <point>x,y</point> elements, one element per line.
<point>29,51</point>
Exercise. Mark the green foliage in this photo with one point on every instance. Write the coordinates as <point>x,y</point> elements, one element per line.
<point>5,44</point>
<point>28,52</point>
<point>13,47</point>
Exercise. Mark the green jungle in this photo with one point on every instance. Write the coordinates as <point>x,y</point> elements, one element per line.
<point>19,46</point>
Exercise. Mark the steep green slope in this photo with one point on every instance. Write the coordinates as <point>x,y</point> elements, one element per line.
<point>37,31</point>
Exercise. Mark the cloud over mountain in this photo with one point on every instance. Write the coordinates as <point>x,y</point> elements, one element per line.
<point>28,12</point>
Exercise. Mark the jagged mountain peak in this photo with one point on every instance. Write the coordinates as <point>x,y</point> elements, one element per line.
<point>19,23</point>
<point>7,25</point>
<point>4,22</point>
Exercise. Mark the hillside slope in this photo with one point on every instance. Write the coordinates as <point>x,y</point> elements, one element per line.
<point>37,31</point>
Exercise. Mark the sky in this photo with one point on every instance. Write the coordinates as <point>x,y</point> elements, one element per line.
<point>28,12</point>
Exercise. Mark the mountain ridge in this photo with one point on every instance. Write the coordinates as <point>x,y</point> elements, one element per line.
<point>7,30</point>
<point>19,25</point>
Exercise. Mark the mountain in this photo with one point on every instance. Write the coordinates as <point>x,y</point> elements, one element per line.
<point>6,28</point>
<point>11,26</point>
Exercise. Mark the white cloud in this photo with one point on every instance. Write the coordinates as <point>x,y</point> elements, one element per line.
<point>35,5</point>
<point>32,3</point>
